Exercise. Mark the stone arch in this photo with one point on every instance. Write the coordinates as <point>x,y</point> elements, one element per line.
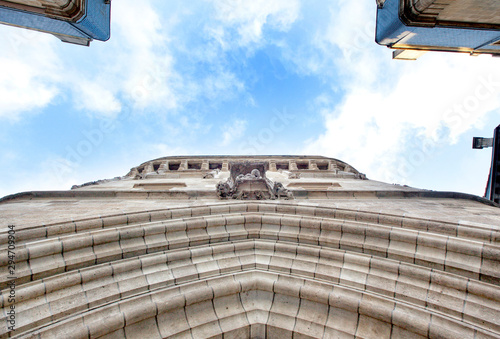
<point>389,275</point>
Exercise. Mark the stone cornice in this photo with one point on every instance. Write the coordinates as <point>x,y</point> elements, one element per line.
<point>211,194</point>
<point>273,163</point>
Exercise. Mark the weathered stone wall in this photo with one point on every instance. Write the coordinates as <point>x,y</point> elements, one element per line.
<point>251,269</point>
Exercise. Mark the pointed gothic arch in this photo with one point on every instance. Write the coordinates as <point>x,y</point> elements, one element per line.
<point>257,269</point>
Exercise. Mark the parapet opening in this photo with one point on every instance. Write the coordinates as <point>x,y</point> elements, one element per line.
<point>215,165</point>
<point>282,166</point>
<point>194,165</point>
<point>302,165</point>
<point>140,169</point>
<point>323,166</point>
<point>156,167</point>
<point>174,165</point>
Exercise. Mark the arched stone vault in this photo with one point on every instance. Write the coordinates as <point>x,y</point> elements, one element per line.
<point>256,269</point>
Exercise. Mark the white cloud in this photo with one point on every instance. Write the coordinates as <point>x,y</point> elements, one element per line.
<point>139,23</point>
<point>221,85</point>
<point>158,68</point>
<point>29,71</point>
<point>248,18</point>
<point>233,131</point>
<point>97,98</point>
<point>143,66</point>
<point>55,173</point>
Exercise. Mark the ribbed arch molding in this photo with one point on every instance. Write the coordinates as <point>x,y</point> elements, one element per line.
<point>257,269</point>
<point>257,303</point>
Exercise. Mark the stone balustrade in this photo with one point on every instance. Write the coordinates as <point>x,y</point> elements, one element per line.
<point>273,164</point>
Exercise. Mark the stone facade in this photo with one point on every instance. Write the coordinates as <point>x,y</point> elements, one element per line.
<point>459,13</point>
<point>61,9</point>
<point>72,21</point>
<point>158,253</point>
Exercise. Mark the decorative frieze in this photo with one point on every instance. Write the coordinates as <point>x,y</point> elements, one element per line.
<point>248,182</point>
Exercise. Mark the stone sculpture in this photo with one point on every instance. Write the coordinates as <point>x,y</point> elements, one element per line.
<point>248,182</point>
<point>281,191</point>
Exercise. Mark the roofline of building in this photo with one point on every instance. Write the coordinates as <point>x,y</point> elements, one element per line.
<point>302,157</point>
<point>235,156</point>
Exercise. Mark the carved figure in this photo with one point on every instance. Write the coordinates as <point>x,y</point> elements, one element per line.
<point>281,191</point>
<point>253,175</point>
<point>241,196</point>
<point>258,195</point>
<point>224,190</point>
<point>240,178</point>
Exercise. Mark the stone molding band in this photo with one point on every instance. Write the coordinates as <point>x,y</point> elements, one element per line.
<point>210,194</point>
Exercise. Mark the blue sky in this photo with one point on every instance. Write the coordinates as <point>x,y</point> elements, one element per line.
<point>240,77</point>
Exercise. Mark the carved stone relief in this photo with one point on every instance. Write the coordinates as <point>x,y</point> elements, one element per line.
<point>248,182</point>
